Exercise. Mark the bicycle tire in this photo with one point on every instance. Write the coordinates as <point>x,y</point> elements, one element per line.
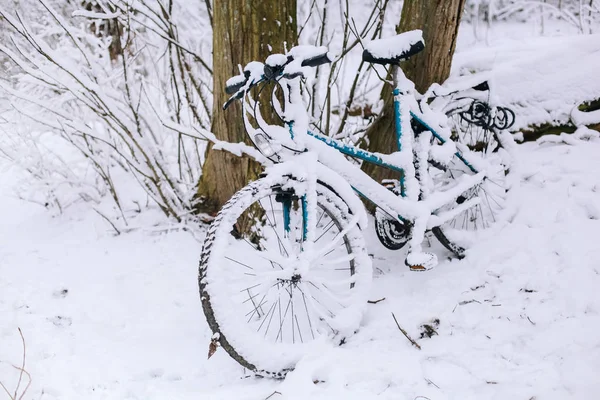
<point>461,231</point>
<point>223,307</point>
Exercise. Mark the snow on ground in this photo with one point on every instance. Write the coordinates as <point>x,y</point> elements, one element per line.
<point>542,78</point>
<point>109,317</point>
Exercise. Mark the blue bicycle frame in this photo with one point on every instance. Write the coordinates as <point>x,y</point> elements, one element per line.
<point>373,158</point>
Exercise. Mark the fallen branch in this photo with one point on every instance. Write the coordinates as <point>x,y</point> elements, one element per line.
<point>375,301</point>
<point>22,372</point>
<point>109,221</point>
<point>462,303</point>
<point>429,381</point>
<point>22,364</point>
<point>273,394</point>
<point>406,334</point>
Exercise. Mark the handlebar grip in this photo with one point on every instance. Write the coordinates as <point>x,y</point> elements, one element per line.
<point>316,60</point>
<point>236,83</point>
<point>482,87</point>
<point>231,89</point>
<point>293,75</point>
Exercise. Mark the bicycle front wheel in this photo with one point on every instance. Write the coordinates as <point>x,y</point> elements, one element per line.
<point>266,293</point>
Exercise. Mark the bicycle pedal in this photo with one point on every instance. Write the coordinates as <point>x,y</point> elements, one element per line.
<point>421,261</point>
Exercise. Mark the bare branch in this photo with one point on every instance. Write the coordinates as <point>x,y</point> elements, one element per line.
<point>406,334</point>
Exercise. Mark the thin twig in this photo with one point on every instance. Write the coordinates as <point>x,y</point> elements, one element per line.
<point>22,364</point>
<point>28,383</point>
<point>406,334</point>
<point>375,301</point>
<point>108,220</point>
<point>209,11</point>
<point>6,390</point>
<point>272,394</point>
<point>431,382</point>
<point>22,372</point>
<point>462,303</point>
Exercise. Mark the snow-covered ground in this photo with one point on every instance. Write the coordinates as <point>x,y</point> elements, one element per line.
<point>108,317</point>
<point>542,78</point>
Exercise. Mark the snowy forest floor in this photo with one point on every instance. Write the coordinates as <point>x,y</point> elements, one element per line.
<point>108,317</point>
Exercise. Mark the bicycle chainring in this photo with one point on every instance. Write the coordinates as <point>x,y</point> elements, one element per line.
<point>392,233</point>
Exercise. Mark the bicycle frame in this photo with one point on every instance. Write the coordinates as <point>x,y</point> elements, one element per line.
<point>376,159</point>
<point>372,158</point>
<point>414,205</point>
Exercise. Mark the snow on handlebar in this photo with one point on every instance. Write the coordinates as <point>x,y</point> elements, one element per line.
<point>286,66</point>
<point>240,84</point>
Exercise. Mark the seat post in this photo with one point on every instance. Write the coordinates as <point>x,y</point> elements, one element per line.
<point>401,82</point>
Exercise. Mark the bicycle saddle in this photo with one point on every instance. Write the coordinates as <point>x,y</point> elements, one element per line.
<point>394,49</point>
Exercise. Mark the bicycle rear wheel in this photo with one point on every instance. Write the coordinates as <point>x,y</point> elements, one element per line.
<point>478,141</point>
<point>265,298</point>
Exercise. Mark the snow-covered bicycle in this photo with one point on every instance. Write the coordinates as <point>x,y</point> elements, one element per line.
<point>284,266</point>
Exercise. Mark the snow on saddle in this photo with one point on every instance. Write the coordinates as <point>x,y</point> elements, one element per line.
<point>394,49</point>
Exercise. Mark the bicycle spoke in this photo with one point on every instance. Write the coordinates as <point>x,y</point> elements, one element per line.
<point>254,304</point>
<point>273,226</point>
<point>238,262</point>
<point>273,210</point>
<point>307,313</point>
<point>251,245</point>
<point>328,294</point>
<point>331,225</point>
<point>328,253</point>
<point>255,310</point>
<point>321,217</point>
<point>340,260</point>
<point>250,287</point>
<point>250,297</point>
<point>487,199</point>
<point>272,308</point>
<point>292,319</point>
<point>299,331</point>
<point>280,333</point>
<point>271,318</point>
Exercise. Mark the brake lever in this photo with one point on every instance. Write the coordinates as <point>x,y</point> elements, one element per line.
<point>235,83</point>
<point>253,73</point>
<point>237,96</point>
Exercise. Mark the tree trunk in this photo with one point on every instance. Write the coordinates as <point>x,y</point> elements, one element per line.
<point>439,20</point>
<point>108,28</point>
<point>243,31</point>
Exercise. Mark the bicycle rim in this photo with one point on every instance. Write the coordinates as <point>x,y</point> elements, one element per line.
<point>464,228</point>
<point>266,299</point>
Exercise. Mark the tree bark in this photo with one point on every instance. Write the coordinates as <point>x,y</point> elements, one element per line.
<point>439,21</point>
<point>243,31</point>
<point>109,28</point>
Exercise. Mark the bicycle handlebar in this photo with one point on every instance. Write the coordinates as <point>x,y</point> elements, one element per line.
<point>273,69</point>
<point>317,60</point>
